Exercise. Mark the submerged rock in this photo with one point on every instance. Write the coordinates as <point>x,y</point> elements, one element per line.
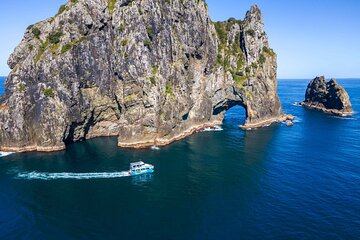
<point>328,97</point>
<point>149,72</point>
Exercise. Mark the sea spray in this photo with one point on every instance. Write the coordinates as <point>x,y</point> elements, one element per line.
<point>211,129</point>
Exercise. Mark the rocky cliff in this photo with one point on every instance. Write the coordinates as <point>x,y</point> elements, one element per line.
<point>328,97</point>
<point>147,71</point>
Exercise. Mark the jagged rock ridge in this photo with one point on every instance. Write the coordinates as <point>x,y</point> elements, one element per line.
<point>328,97</point>
<point>147,71</point>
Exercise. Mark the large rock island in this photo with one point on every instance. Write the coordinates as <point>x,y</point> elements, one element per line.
<point>147,71</point>
<point>328,97</point>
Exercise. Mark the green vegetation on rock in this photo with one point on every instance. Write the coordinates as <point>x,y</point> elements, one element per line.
<point>262,59</point>
<point>147,44</point>
<point>70,45</point>
<point>150,32</point>
<point>54,37</point>
<point>154,73</point>
<point>41,50</point>
<point>36,32</point>
<point>111,5</point>
<point>66,48</point>
<point>250,32</point>
<point>169,90</point>
<point>62,9</point>
<point>124,42</point>
<point>48,92</point>
<point>268,51</point>
<point>226,50</point>
<point>130,97</point>
<point>21,88</point>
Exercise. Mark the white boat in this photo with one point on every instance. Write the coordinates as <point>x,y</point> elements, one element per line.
<point>4,154</point>
<point>138,168</point>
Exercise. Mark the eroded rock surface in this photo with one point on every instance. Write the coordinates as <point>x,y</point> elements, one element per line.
<point>328,97</point>
<point>147,71</point>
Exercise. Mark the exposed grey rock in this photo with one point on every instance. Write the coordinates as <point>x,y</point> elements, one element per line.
<point>149,72</point>
<point>328,97</point>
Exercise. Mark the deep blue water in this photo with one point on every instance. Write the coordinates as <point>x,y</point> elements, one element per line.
<point>300,182</point>
<point>2,81</point>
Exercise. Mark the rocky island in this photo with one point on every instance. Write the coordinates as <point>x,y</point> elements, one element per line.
<point>149,72</point>
<point>328,97</point>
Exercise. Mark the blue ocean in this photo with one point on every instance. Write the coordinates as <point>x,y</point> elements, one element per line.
<point>2,81</point>
<point>279,182</point>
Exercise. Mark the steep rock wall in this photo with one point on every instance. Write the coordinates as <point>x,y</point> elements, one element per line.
<point>147,71</point>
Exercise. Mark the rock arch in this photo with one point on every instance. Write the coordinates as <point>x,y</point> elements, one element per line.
<point>149,77</point>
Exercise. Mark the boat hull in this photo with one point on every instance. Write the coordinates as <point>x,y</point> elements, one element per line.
<point>142,172</point>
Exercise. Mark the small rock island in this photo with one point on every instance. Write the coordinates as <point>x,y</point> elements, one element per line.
<point>328,97</point>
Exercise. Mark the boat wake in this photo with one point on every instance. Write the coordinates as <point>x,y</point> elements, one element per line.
<point>4,154</point>
<point>68,175</point>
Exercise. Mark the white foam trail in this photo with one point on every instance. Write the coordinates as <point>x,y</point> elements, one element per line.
<point>344,117</point>
<point>4,154</point>
<point>212,129</point>
<point>68,175</point>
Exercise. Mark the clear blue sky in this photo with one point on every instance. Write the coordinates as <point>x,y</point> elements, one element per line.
<point>311,38</point>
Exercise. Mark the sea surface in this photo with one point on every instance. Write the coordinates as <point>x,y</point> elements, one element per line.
<point>2,81</point>
<point>279,182</point>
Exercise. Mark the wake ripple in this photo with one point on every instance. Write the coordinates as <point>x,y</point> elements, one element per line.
<point>67,175</point>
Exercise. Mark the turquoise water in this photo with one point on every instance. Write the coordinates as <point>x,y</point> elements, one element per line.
<point>300,182</point>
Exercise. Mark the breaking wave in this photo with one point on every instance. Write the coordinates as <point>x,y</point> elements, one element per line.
<point>211,129</point>
<point>68,175</point>
<point>297,119</point>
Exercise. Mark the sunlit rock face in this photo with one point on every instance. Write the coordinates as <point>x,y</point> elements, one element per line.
<point>147,71</point>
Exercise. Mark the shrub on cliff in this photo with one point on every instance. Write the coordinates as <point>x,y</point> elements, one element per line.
<point>54,37</point>
<point>48,92</point>
<point>36,32</point>
<point>62,9</point>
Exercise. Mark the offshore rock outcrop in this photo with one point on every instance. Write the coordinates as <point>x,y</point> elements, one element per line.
<point>328,97</point>
<point>149,72</point>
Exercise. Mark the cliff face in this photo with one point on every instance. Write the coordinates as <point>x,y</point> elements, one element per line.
<point>328,97</point>
<point>147,71</point>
